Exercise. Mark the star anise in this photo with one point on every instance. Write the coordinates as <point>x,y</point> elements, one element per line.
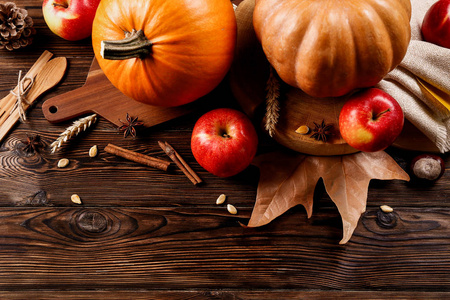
<point>129,126</point>
<point>321,131</point>
<point>32,144</point>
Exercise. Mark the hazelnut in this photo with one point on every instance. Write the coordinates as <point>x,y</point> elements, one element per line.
<point>428,166</point>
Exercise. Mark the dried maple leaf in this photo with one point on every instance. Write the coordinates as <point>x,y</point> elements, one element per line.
<point>287,180</point>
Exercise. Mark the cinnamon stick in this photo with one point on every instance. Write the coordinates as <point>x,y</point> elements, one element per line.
<point>180,162</point>
<point>138,157</point>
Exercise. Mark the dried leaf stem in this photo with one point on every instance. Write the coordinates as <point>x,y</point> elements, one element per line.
<point>79,125</point>
<point>272,102</point>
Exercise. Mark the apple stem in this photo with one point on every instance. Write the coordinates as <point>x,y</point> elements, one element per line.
<point>377,116</point>
<point>63,5</point>
<point>135,44</point>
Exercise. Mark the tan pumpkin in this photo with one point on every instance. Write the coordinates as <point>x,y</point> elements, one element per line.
<point>327,48</point>
<point>163,52</point>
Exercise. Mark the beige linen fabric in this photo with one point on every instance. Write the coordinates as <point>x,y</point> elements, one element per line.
<point>431,64</point>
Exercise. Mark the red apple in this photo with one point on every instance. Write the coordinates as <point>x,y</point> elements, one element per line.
<point>70,19</point>
<point>370,120</point>
<point>224,142</point>
<point>436,24</point>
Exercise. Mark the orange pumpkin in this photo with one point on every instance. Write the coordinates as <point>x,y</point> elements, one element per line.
<point>164,53</point>
<point>327,48</point>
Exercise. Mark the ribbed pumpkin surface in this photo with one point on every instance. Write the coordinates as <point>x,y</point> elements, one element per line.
<point>330,47</point>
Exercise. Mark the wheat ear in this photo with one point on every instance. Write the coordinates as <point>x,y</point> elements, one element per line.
<point>79,125</point>
<point>272,102</point>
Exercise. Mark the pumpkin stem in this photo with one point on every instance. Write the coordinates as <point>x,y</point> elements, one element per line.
<point>135,44</point>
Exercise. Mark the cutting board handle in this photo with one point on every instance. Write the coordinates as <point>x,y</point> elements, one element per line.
<point>66,106</point>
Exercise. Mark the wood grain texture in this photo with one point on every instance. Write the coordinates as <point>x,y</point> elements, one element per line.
<point>143,233</point>
<point>116,247</point>
<point>223,294</point>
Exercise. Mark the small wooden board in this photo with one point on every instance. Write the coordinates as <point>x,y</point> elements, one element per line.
<point>248,78</point>
<point>99,96</point>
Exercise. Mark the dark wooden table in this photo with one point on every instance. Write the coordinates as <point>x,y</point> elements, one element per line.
<point>145,233</point>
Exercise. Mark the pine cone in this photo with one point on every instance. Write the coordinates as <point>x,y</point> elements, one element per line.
<point>16,27</point>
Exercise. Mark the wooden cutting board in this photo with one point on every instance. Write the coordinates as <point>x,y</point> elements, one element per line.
<point>248,77</point>
<point>99,96</point>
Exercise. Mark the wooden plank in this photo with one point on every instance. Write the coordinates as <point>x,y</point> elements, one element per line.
<point>224,294</point>
<point>175,248</point>
<point>126,183</point>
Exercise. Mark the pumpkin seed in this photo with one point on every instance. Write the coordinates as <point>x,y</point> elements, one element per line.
<point>93,151</point>
<point>386,209</point>
<point>63,162</point>
<point>75,199</point>
<point>231,209</point>
<point>302,129</point>
<point>221,199</point>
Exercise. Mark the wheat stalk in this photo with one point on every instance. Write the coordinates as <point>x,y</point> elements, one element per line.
<point>272,103</point>
<point>79,125</point>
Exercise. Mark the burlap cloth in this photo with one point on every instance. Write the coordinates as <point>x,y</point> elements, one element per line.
<point>431,64</point>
